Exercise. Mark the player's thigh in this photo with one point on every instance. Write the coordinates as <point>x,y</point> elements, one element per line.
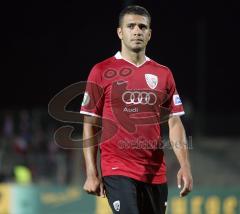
<point>121,192</point>
<point>156,198</point>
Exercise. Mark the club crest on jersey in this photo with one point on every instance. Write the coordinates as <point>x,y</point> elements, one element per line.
<point>116,205</point>
<point>152,80</point>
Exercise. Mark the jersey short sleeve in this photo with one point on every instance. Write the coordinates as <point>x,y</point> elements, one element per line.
<point>92,103</point>
<point>174,103</point>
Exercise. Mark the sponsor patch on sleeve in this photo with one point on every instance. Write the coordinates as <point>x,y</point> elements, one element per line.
<point>176,100</point>
<point>86,99</point>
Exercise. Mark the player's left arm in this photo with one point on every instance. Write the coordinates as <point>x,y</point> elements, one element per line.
<point>178,141</point>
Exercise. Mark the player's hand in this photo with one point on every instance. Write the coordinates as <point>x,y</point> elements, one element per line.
<point>93,185</point>
<point>184,175</point>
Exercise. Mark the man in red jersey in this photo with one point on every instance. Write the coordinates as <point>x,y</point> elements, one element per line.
<point>132,95</point>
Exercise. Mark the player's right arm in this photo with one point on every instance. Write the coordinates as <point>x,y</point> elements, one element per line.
<point>93,183</point>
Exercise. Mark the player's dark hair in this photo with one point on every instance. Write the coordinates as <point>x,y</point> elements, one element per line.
<point>136,10</point>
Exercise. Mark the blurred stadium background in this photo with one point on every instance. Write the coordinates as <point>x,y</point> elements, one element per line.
<point>47,46</point>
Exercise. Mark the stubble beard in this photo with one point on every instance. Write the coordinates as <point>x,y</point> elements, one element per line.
<point>133,48</point>
<point>137,49</point>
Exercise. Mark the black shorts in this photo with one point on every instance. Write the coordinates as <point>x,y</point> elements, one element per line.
<point>129,196</point>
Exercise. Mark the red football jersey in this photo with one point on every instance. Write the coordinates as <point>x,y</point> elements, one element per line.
<point>132,101</point>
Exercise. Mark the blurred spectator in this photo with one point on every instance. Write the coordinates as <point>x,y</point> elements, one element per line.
<point>22,175</point>
<point>20,145</point>
<point>8,125</point>
<point>2,178</point>
<point>27,149</point>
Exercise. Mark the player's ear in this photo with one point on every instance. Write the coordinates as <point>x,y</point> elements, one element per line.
<point>150,34</point>
<point>119,32</point>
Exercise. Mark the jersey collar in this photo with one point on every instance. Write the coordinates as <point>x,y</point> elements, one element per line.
<point>119,56</point>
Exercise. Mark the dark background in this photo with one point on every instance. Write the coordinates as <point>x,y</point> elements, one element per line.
<point>48,45</point>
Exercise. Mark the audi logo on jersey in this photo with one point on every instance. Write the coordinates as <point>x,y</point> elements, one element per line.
<point>139,97</point>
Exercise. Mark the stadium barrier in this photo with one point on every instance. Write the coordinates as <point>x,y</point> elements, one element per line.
<point>30,199</point>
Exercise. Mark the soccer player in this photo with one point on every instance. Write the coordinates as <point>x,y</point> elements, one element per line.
<point>131,95</point>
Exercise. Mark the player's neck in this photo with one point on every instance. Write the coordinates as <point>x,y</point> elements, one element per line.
<point>133,57</point>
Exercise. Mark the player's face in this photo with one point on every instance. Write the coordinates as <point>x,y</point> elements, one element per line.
<point>134,32</point>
